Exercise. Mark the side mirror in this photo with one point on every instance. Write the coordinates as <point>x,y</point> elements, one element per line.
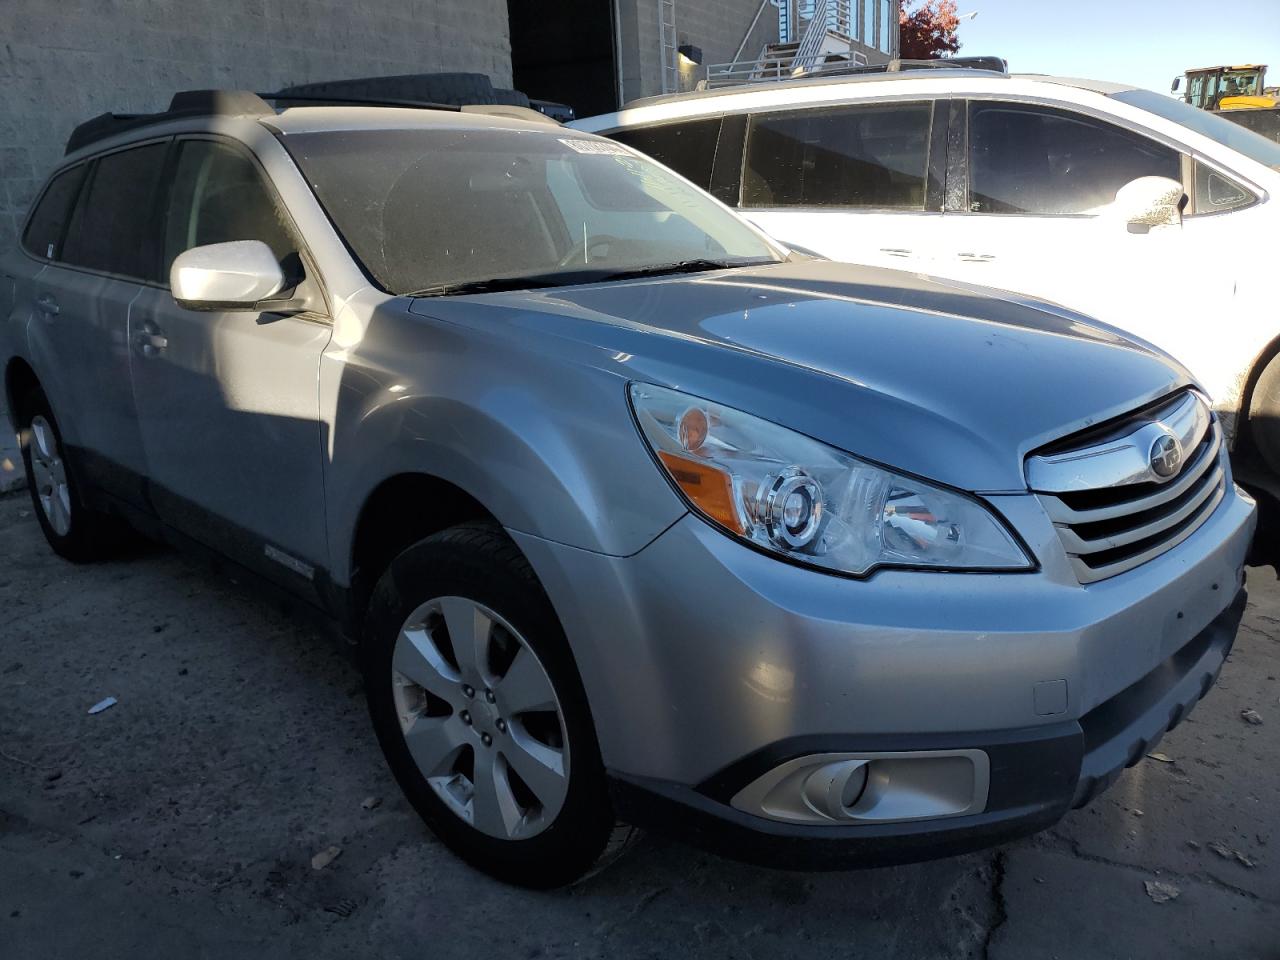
<point>226,276</point>
<point>1177,82</point>
<point>1149,202</point>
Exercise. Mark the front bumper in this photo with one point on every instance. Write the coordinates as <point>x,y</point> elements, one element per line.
<point>1037,774</point>
<point>703,660</point>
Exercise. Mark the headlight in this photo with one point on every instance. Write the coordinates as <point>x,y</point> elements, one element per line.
<point>810,502</point>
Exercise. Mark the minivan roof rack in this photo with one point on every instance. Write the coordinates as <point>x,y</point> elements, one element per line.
<point>732,77</point>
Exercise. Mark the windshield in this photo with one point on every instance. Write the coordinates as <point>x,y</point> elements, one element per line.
<point>1252,145</point>
<point>440,208</point>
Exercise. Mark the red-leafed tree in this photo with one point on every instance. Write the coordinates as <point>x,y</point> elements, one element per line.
<point>928,32</point>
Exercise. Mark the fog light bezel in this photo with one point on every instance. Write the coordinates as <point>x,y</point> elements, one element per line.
<point>898,787</point>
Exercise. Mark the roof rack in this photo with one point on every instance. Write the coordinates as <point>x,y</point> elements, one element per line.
<point>733,75</point>
<point>185,103</point>
<point>242,103</point>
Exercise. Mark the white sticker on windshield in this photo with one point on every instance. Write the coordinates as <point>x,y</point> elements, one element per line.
<point>606,147</point>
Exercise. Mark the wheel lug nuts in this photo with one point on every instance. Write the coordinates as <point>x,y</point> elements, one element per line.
<point>468,690</point>
<point>502,726</point>
<point>465,717</point>
<point>486,739</point>
<point>488,695</point>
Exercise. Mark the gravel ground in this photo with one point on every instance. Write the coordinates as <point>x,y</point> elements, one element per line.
<point>183,820</point>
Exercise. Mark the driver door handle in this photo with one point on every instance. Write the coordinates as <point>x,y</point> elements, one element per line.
<point>150,340</point>
<point>47,305</point>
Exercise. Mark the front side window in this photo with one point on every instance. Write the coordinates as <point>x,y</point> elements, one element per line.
<point>687,148</point>
<point>1036,160</point>
<point>429,208</point>
<point>219,195</point>
<point>44,229</point>
<point>110,229</point>
<point>862,156</point>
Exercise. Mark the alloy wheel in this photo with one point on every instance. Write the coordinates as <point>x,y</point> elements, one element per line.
<point>50,473</point>
<point>481,718</point>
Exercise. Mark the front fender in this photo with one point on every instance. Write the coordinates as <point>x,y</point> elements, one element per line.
<point>545,444</point>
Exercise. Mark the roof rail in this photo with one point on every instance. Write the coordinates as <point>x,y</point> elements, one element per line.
<point>727,75</point>
<point>241,103</point>
<point>285,98</point>
<point>185,103</point>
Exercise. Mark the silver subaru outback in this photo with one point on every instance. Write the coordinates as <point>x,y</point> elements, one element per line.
<point>636,515</point>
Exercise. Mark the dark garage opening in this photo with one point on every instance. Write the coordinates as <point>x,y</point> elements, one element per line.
<point>564,51</point>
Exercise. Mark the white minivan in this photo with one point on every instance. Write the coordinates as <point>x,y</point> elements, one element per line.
<point>1121,203</point>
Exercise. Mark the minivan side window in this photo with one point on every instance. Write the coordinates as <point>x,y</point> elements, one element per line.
<point>110,227</point>
<point>44,229</point>
<point>688,148</point>
<point>218,195</point>
<point>1038,160</point>
<point>871,157</point>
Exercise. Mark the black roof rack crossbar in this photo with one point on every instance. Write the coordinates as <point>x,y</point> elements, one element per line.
<point>285,97</point>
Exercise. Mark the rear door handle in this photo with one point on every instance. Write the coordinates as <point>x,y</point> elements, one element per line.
<point>896,251</point>
<point>977,257</point>
<point>47,305</point>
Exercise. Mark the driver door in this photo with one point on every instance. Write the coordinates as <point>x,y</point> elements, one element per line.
<point>228,401</point>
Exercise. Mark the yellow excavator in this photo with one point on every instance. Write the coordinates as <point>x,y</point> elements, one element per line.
<point>1239,93</point>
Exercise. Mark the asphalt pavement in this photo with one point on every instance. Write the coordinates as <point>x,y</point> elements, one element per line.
<point>183,820</point>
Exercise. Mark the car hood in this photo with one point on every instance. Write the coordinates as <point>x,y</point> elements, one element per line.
<point>950,381</point>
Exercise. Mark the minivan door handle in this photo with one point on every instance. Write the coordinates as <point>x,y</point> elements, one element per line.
<point>150,340</point>
<point>47,306</point>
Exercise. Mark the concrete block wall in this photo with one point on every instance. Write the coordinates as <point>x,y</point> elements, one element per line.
<point>65,61</point>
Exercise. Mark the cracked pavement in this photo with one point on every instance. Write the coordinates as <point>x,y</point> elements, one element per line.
<point>182,821</point>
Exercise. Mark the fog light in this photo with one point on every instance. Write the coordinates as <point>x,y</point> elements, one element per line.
<point>852,788</point>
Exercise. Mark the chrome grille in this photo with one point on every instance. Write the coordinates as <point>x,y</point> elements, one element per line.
<point>1111,509</point>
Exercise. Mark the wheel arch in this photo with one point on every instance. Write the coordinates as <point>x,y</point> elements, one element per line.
<point>400,511</point>
<point>19,380</point>
<point>1268,353</point>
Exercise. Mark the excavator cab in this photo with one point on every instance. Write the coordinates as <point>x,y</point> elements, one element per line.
<point>1226,88</point>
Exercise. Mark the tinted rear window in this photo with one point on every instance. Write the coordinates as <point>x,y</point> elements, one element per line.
<point>111,228</point>
<point>44,230</point>
<point>687,148</point>
<point>861,156</point>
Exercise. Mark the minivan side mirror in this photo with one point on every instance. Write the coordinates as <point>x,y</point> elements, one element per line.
<point>1149,202</point>
<point>238,275</point>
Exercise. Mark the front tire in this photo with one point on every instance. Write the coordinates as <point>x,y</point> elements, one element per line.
<point>480,711</point>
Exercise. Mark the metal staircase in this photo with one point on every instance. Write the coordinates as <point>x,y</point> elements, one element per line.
<point>812,33</point>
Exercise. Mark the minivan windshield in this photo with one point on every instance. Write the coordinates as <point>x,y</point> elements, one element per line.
<point>1253,145</point>
<point>446,210</point>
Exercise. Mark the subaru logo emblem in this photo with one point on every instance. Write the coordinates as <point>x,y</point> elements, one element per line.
<point>1165,456</point>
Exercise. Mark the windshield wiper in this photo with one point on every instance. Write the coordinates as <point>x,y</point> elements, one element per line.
<point>491,285</point>
<point>683,266</point>
<point>566,278</point>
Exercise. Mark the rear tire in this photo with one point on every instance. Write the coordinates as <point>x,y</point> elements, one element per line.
<point>466,659</point>
<point>1264,415</point>
<point>74,530</point>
